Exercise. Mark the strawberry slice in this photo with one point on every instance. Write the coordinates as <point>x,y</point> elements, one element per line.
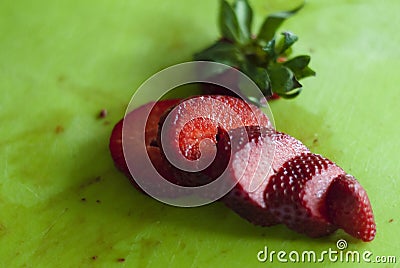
<point>116,149</point>
<point>296,194</point>
<point>137,139</point>
<point>188,135</point>
<point>252,166</point>
<point>349,208</point>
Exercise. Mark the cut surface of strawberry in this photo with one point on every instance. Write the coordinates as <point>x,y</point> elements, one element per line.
<point>252,165</point>
<point>349,208</point>
<point>296,194</point>
<point>188,134</point>
<point>157,111</point>
<point>135,137</point>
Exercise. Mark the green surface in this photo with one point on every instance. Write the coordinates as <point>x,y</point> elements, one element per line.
<point>61,62</point>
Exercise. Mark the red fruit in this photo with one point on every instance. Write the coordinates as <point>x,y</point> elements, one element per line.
<point>137,139</point>
<point>157,111</point>
<point>188,134</point>
<point>116,149</point>
<point>259,153</point>
<point>274,178</point>
<point>349,208</point>
<point>296,194</point>
<point>229,78</point>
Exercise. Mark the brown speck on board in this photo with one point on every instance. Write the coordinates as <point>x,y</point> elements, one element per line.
<point>102,114</point>
<point>94,257</point>
<point>61,78</point>
<point>98,201</point>
<point>3,229</point>
<point>391,220</point>
<point>121,259</point>
<point>224,251</point>
<point>83,199</point>
<point>90,182</point>
<point>315,141</point>
<point>59,129</point>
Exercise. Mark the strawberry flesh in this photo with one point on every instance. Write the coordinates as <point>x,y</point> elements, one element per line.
<point>296,194</point>
<point>349,208</point>
<point>188,133</point>
<point>198,118</point>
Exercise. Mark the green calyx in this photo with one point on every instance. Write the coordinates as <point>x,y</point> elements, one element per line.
<point>264,57</point>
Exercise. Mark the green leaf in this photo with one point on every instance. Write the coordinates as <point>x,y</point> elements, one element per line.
<point>273,22</point>
<point>244,15</point>
<point>259,76</point>
<point>263,60</point>
<point>283,81</point>
<point>270,50</point>
<point>288,40</point>
<point>222,52</point>
<point>299,66</point>
<point>298,63</point>
<point>292,94</point>
<point>306,72</point>
<point>228,23</point>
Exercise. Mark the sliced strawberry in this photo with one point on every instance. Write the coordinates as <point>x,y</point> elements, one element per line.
<point>296,194</point>
<point>136,138</point>
<point>349,208</point>
<point>188,135</point>
<point>259,153</point>
<point>116,149</point>
<point>157,111</point>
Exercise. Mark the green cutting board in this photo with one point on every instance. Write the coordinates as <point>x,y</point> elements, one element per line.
<point>62,202</point>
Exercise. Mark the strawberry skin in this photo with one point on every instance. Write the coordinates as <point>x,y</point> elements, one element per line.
<point>116,150</point>
<point>296,194</point>
<point>349,208</point>
<point>252,166</point>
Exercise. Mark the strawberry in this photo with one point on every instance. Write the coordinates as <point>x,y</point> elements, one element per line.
<point>273,177</point>
<point>296,194</point>
<point>188,133</point>
<point>116,149</point>
<point>136,137</point>
<point>349,208</point>
<point>259,153</point>
<point>229,78</point>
